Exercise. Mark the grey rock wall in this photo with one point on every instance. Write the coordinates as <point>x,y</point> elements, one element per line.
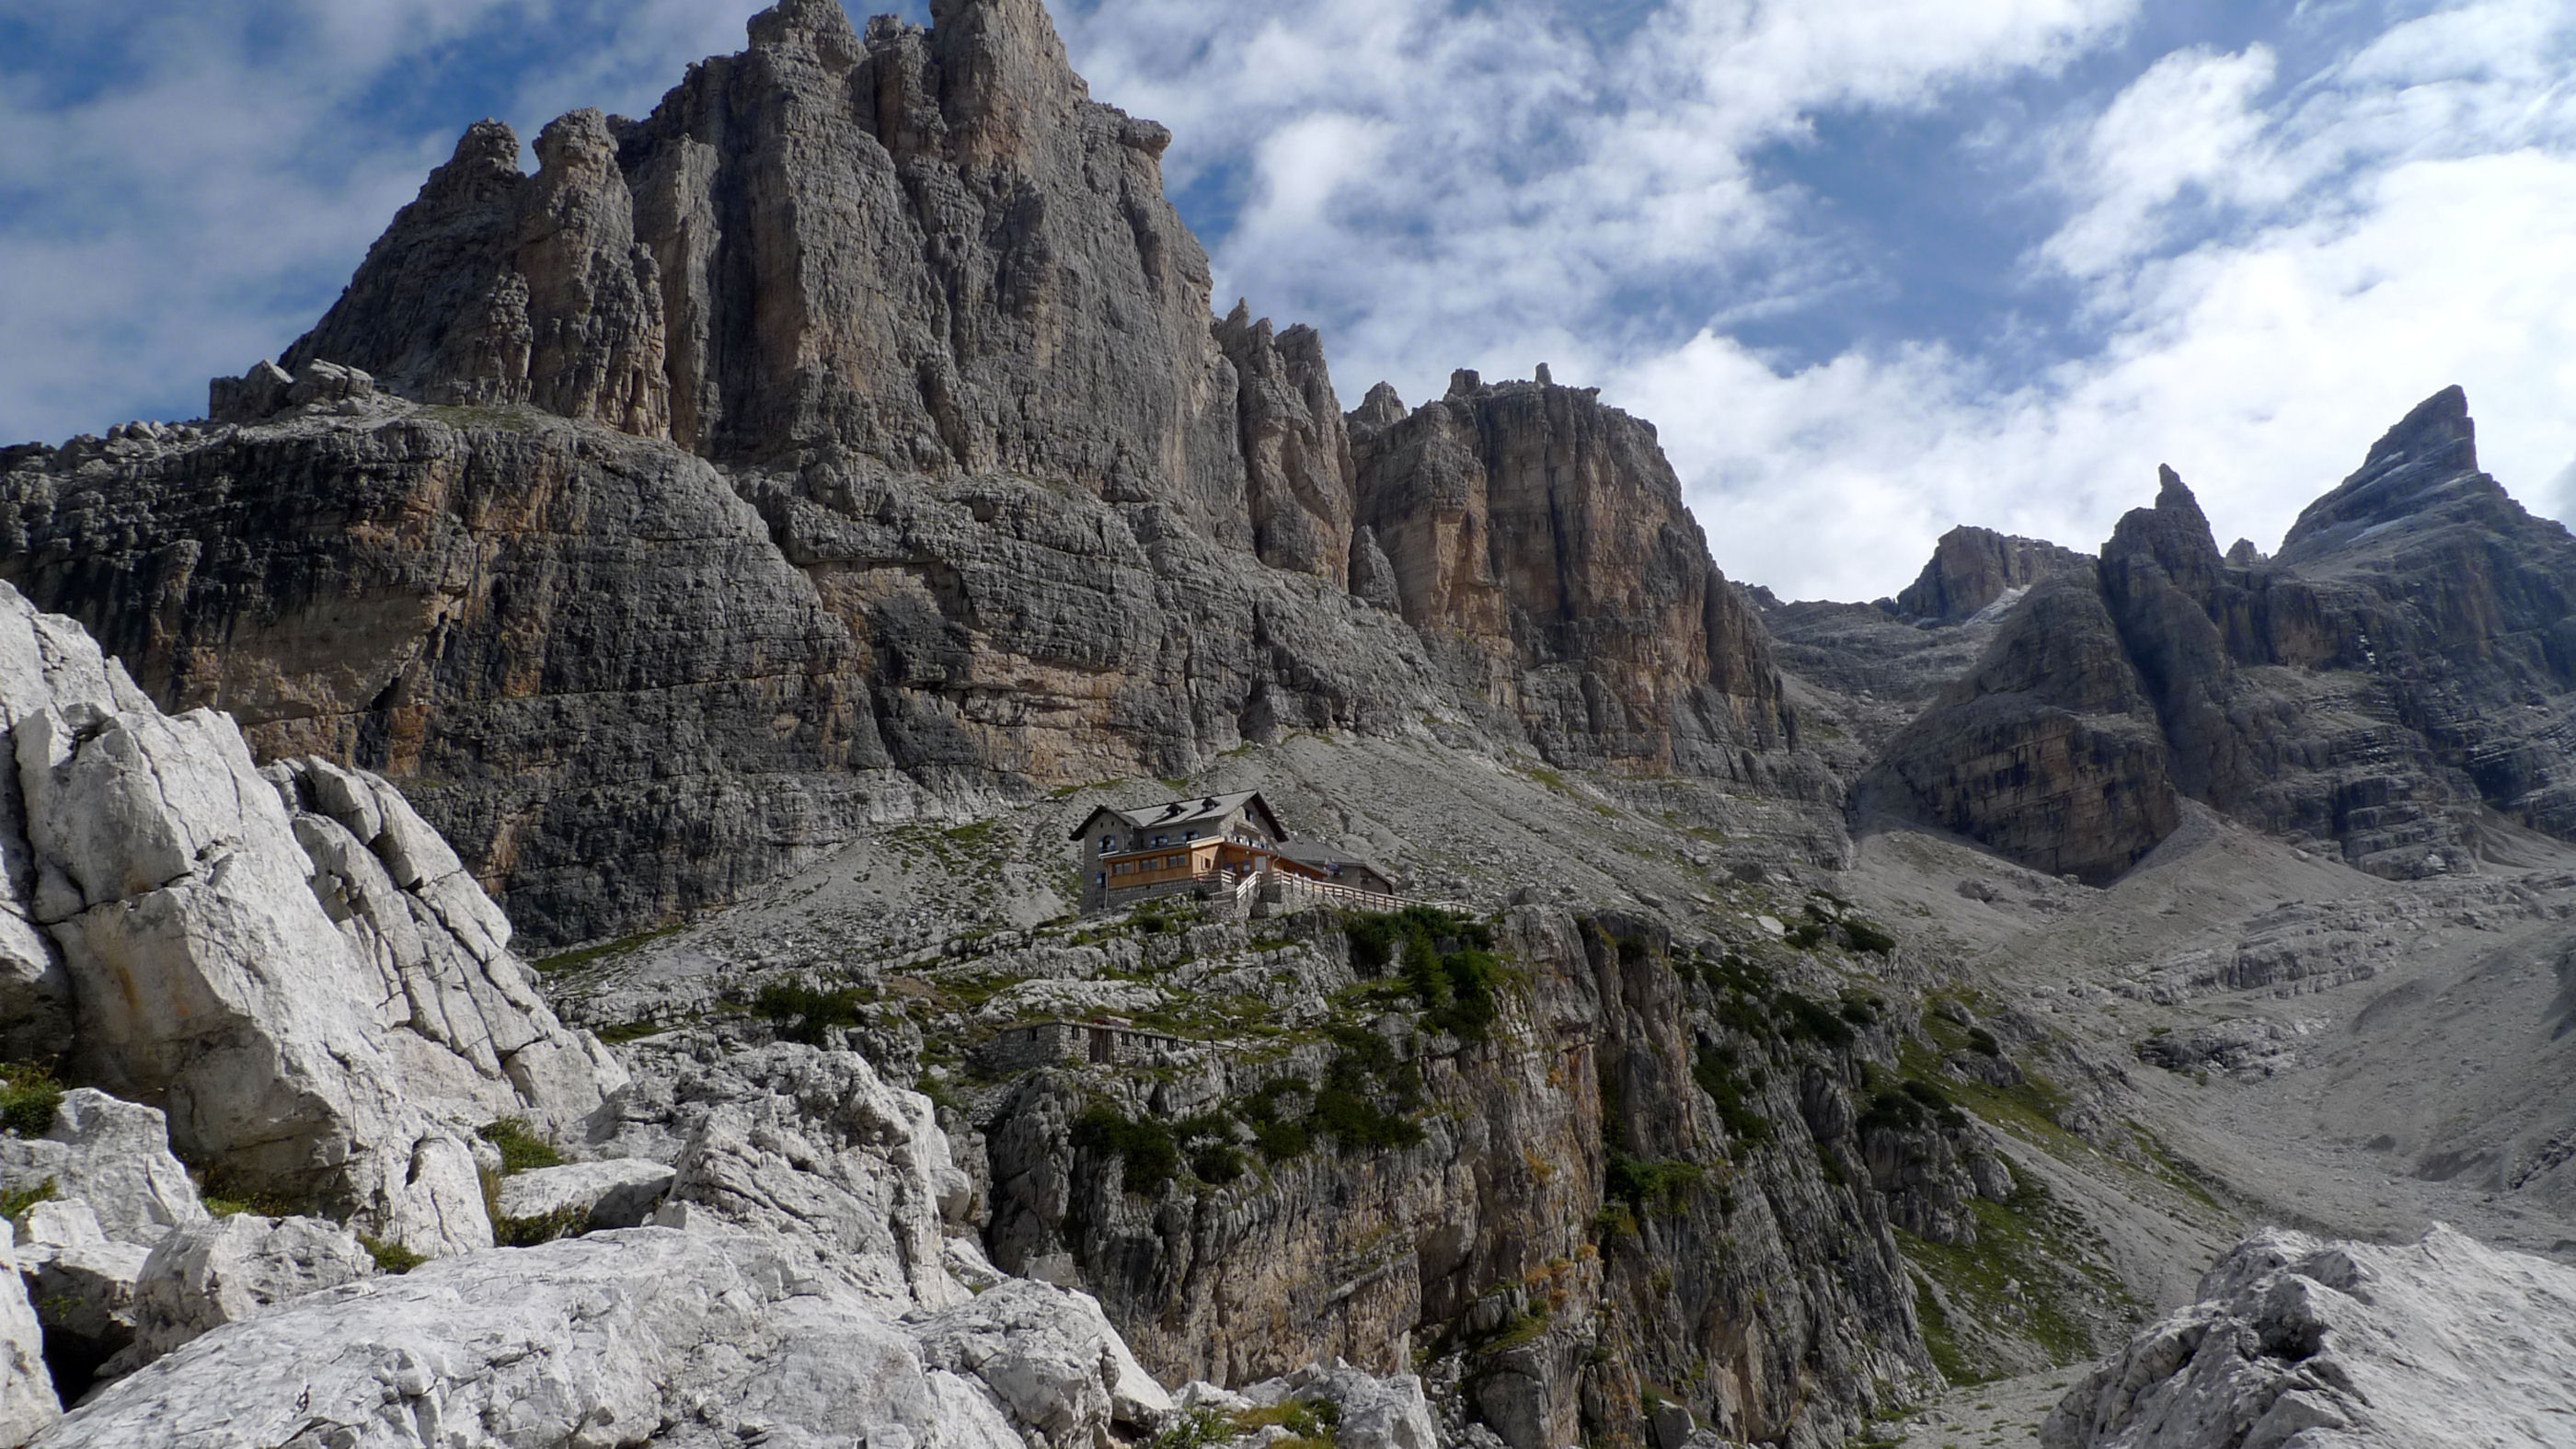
<point>848,441</point>
<point>1972,568</point>
<point>2399,670</point>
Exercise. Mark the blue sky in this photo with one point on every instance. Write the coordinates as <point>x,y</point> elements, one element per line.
<point>1873,267</point>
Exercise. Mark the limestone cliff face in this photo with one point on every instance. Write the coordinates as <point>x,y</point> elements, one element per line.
<point>2401,666</point>
<point>1539,540</point>
<point>850,440</point>
<point>1973,567</point>
<point>1296,448</point>
<point>1579,1220</point>
<point>2048,750</point>
<point>629,685</point>
<point>901,246</point>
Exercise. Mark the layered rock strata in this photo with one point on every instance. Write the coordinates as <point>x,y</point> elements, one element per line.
<point>2394,673</point>
<point>1578,1219</point>
<point>2047,750</point>
<point>851,440</point>
<point>1973,568</point>
<point>1539,541</point>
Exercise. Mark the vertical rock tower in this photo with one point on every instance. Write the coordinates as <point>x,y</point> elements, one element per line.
<point>852,439</point>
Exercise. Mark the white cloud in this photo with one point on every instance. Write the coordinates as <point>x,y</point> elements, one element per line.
<point>2187,124</point>
<point>2384,264</point>
<point>2271,266</point>
<point>1539,185</point>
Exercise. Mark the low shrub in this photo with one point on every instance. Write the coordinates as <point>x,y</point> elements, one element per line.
<point>805,1014</point>
<point>1812,1020</point>
<point>1145,1148</point>
<point>1724,1079</point>
<point>1867,937</point>
<point>14,1203</point>
<point>396,1259</point>
<point>1643,1184</point>
<point>563,1222</point>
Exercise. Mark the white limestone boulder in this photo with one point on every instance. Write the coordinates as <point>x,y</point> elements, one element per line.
<point>459,1008</point>
<point>644,1335</point>
<point>618,1193</point>
<point>27,1402</point>
<point>293,967</point>
<point>234,1269</point>
<point>1373,1412</point>
<point>813,1146</point>
<point>114,1157</point>
<point>82,1281</point>
<point>2301,1342</point>
<point>1050,1355</point>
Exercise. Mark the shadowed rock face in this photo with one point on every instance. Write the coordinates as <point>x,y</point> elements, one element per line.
<point>1539,540</point>
<point>2048,750</point>
<point>851,440</point>
<point>2404,664</point>
<point>1973,567</point>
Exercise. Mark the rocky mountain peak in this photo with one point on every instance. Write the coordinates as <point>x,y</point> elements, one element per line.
<point>2436,432</point>
<point>819,27</point>
<point>2174,533</point>
<point>1383,408</point>
<point>485,165</point>
<point>2429,459</point>
<point>1972,567</point>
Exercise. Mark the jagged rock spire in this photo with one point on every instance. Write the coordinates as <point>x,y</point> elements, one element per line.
<point>2433,445</point>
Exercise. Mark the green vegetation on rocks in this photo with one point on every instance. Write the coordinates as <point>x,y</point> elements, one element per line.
<point>28,1096</point>
<point>522,1150</point>
<point>1444,959</point>
<point>806,1014</point>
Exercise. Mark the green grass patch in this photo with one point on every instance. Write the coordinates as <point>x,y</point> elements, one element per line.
<point>522,1150</point>
<point>1545,776</point>
<point>591,955</point>
<point>394,1258</point>
<point>1195,1430</point>
<point>28,1096</point>
<point>2176,1173</point>
<point>2022,1276</point>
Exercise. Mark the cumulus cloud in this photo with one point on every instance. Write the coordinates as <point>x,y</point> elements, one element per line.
<point>2398,221</point>
<point>2266,263</point>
